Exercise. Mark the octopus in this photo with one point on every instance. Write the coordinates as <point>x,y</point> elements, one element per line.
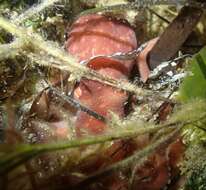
<point>95,35</point>
<point>100,36</point>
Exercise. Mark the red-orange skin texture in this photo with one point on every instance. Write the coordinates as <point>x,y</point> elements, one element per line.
<point>161,168</point>
<point>142,60</point>
<point>91,36</point>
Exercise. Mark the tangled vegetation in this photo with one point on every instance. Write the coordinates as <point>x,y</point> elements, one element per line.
<point>33,56</point>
